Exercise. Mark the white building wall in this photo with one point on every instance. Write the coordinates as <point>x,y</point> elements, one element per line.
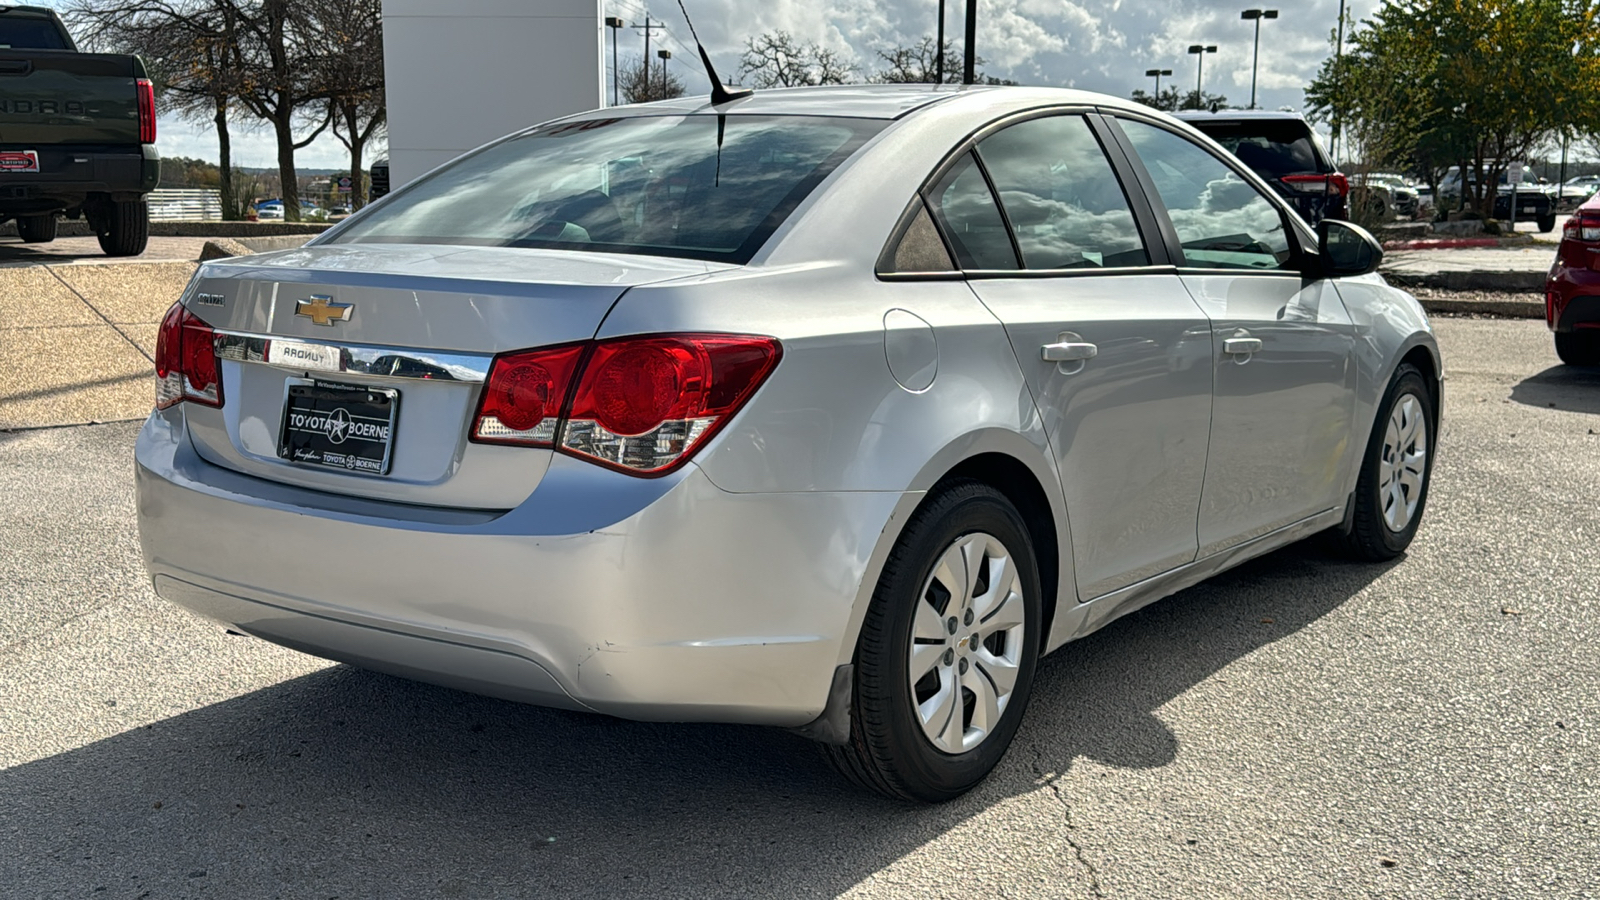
<point>461,73</point>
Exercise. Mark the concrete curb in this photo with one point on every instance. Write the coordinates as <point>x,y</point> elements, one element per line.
<point>1515,282</point>
<point>222,248</point>
<point>80,228</point>
<point>1514,309</point>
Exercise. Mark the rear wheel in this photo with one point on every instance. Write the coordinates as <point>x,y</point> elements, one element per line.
<point>944,666</point>
<point>124,227</point>
<point>1392,491</point>
<point>1546,222</point>
<point>36,229</point>
<point>1579,348</point>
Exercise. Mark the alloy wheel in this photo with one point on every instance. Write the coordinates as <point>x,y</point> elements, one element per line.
<point>966,643</point>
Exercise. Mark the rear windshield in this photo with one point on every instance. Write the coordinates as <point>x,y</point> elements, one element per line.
<point>700,187</point>
<point>1270,149</point>
<point>18,33</point>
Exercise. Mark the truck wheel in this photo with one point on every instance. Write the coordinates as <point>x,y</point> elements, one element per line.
<point>1578,348</point>
<point>1547,223</point>
<point>125,228</point>
<point>36,229</point>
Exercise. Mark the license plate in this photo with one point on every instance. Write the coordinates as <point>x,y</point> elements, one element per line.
<point>339,426</point>
<point>19,160</point>
<point>1529,209</point>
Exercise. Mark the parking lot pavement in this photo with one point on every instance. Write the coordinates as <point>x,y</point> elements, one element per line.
<point>77,339</point>
<point>1302,726</point>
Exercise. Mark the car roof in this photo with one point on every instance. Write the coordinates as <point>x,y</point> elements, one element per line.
<point>863,101</point>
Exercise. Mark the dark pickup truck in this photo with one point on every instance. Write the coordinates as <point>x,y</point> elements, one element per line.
<point>77,134</point>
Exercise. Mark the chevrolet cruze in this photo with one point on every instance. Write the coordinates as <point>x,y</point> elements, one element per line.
<point>830,409</point>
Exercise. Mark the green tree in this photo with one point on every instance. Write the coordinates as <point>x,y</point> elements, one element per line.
<point>1427,84</point>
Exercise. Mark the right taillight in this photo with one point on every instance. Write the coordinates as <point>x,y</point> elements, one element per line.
<point>1334,184</point>
<point>147,111</point>
<point>642,405</point>
<point>186,360</point>
<point>1583,226</point>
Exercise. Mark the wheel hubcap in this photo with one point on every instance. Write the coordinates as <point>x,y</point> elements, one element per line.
<point>966,643</point>
<point>1404,463</point>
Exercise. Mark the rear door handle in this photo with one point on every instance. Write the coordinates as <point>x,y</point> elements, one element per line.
<point>1241,346</point>
<point>1068,351</point>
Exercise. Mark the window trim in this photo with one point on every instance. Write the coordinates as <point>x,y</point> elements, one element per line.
<point>1154,241</point>
<point>1301,260</point>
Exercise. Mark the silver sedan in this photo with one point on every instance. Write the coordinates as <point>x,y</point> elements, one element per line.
<point>830,409</point>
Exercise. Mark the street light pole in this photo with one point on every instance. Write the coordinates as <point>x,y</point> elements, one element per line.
<point>1257,15</point>
<point>615,24</point>
<point>1200,51</point>
<point>968,76</point>
<point>938,63</point>
<point>1158,73</point>
<point>664,55</point>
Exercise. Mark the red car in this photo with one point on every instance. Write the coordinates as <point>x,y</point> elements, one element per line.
<point>1572,295</point>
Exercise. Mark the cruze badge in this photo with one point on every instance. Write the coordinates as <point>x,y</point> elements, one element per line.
<point>323,311</point>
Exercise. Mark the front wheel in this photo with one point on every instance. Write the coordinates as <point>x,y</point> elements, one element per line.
<point>1578,348</point>
<point>1392,491</point>
<point>944,666</point>
<point>36,229</point>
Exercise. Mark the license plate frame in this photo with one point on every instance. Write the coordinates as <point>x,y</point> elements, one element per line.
<point>339,427</point>
<point>19,161</point>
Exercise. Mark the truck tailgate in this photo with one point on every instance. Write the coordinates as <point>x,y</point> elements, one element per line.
<point>62,97</point>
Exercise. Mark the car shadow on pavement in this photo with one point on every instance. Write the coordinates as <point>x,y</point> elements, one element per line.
<point>1568,388</point>
<point>352,784</point>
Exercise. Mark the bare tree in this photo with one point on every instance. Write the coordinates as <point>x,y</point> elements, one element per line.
<point>191,48</point>
<point>345,43</point>
<point>778,59</point>
<point>642,85</point>
<point>919,64</point>
<point>279,86</point>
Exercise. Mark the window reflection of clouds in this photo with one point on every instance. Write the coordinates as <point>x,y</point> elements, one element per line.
<point>1065,203</point>
<point>1210,206</point>
<point>648,181</point>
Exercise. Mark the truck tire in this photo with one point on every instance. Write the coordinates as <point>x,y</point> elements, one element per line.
<point>1547,223</point>
<point>125,228</point>
<point>36,229</point>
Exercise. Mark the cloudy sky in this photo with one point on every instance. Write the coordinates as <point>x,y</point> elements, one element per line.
<point>1099,45</point>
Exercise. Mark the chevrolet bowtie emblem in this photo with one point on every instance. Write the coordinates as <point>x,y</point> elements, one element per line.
<point>323,311</point>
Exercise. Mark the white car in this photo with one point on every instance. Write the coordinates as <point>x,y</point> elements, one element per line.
<point>826,408</point>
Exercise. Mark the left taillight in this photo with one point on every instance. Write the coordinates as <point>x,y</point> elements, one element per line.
<point>186,361</point>
<point>1583,225</point>
<point>147,111</point>
<point>642,405</point>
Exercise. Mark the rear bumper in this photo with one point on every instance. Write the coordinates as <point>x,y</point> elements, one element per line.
<point>1572,298</point>
<point>664,599</point>
<point>68,175</point>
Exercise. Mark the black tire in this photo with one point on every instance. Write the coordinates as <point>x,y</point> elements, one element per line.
<point>36,229</point>
<point>1546,223</point>
<point>125,229</point>
<point>1578,348</point>
<point>889,752</point>
<point>1371,537</point>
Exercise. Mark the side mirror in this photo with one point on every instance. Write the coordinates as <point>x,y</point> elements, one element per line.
<point>1347,249</point>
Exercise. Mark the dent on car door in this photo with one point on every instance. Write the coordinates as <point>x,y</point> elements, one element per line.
<point>1285,382</point>
<point>1114,349</point>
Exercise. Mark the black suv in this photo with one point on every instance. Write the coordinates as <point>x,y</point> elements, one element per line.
<point>1281,148</point>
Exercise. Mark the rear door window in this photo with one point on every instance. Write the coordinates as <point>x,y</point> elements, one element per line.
<point>18,33</point>
<point>1063,200</point>
<point>1222,221</point>
<point>1271,149</point>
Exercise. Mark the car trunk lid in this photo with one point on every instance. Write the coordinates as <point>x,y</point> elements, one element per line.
<point>404,328</point>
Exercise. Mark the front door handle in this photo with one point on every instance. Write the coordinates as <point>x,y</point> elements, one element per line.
<point>1241,346</point>
<point>1068,351</point>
